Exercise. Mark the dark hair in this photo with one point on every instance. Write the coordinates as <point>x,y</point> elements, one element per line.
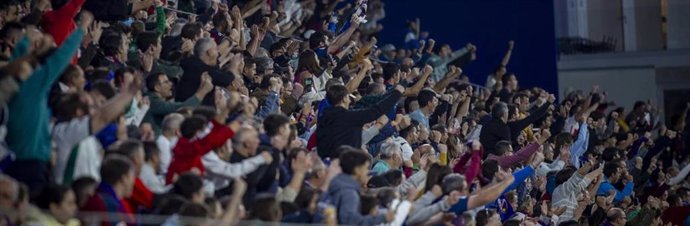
<point>367,203</point>
<point>51,194</point>
<point>609,154</point>
<point>305,196</point>
<point>150,150</point>
<point>393,176</point>
<point>563,175</point>
<point>187,185</point>
<point>111,42</point>
<point>316,39</point>
<point>171,205</point>
<point>129,147</point>
<point>7,29</point>
<point>190,126</point>
<point>336,94</point>
<point>114,168</point>
<point>120,75</point>
<point>489,168</point>
<point>560,140</point>
<point>205,111</point>
<point>153,80</point>
<point>386,195</point>
<point>273,122</point>
<point>307,62</point>
<point>191,213</point>
<point>104,88</point>
<point>147,39</point>
<point>425,97</point>
<point>69,104</point>
<point>502,147</point>
<point>351,159</point>
<point>483,216</point>
<point>435,175</point>
<point>190,30</point>
<point>610,168</point>
<point>390,70</point>
<point>81,186</point>
<point>266,208</point>
<point>512,222</point>
<point>220,20</point>
<point>569,223</point>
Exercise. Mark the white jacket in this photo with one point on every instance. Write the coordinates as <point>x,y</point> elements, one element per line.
<point>220,172</point>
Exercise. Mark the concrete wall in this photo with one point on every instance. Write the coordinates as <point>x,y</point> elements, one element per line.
<point>623,85</point>
<point>678,29</point>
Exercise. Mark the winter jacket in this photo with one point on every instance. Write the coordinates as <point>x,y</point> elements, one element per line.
<point>344,192</point>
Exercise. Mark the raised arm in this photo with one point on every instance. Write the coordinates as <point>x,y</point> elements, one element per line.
<point>343,38</point>
<point>361,117</point>
<point>112,109</point>
<point>417,87</point>
<point>680,177</point>
<point>506,58</point>
<point>488,194</point>
<point>453,72</point>
<point>354,82</point>
<point>519,156</point>
<point>580,145</point>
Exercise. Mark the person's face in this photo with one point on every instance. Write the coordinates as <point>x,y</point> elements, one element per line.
<point>445,50</point>
<point>249,70</point>
<point>11,14</point>
<point>128,183</point>
<point>433,104</point>
<point>124,48</point>
<point>199,196</point>
<point>164,87</point>
<point>252,142</point>
<point>362,173</point>
<point>494,220</point>
<point>138,160</point>
<point>616,176</point>
<point>212,53</point>
<point>662,177</point>
<point>287,89</point>
<point>66,209</point>
<point>79,81</point>
<point>621,220</point>
<point>8,192</point>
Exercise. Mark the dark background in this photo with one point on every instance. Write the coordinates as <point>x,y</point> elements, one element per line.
<point>489,24</point>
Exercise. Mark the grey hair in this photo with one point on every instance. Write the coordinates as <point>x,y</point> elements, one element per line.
<point>389,149</point>
<point>172,122</point>
<point>453,182</point>
<point>240,136</point>
<point>499,110</point>
<point>202,46</point>
<point>176,29</point>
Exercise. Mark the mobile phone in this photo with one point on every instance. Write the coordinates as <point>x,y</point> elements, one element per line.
<point>308,83</point>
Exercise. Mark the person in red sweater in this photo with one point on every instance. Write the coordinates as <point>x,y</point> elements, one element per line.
<point>199,136</point>
<point>117,182</point>
<point>59,22</point>
<point>141,197</point>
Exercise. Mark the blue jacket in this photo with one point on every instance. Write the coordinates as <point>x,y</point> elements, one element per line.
<point>606,186</point>
<point>344,194</point>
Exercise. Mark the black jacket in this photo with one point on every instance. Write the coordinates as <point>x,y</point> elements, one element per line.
<point>496,130</point>
<point>193,67</point>
<point>339,126</point>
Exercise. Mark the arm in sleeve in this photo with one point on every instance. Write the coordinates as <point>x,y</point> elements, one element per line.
<point>369,134</point>
<point>348,211</point>
<point>545,168</point>
<point>520,177</point>
<point>680,177</point>
<point>232,170</point>
<point>138,116</point>
<point>361,117</point>
<point>424,213</point>
<point>475,164</point>
<point>164,107</point>
<point>69,10</point>
<point>161,21</point>
<point>218,136</point>
<point>414,181</point>
<point>627,190</point>
<point>517,126</point>
<point>21,49</point>
<point>57,62</point>
<point>522,155</point>
<point>455,55</point>
<point>271,105</point>
<point>580,145</point>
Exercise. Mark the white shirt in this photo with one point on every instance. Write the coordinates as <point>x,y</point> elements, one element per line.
<point>66,135</point>
<point>220,172</point>
<point>165,146</point>
<point>404,147</point>
<point>151,180</point>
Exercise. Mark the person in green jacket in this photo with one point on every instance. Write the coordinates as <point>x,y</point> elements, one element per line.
<point>28,136</point>
<point>160,92</point>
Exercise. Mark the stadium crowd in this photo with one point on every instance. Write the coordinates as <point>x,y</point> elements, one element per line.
<point>247,112</point>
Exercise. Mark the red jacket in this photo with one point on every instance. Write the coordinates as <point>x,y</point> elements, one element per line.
<point>60,22</point>
<point>141,196</point>
<point>187,154</point>
<point>106,202</point>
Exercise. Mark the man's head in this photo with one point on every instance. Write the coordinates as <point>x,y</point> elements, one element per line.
<point>193,126</point>
<point>73,77</point>
<point>500,111</point>
<point>613,171</point>
<point>338,95</point>
<point>9,11</point>
<point>427,100</point>
<point>521,100</point>
<point>390,152</point>
<point>207,50</point>
<point>616,217</point>
<point>356,163</point>
<point>562,142</point>
<point>73,105</point>
<point>190,186</point>
<point>149,40</point>
<point>114,44</point>
<point>503,147</point>
<point>391,73</point>
<point>171,123</point>
<point>118,172</point>
<point>134,150</point>
<point>60,201</point>
<point>563,175</point>
<point>510,81</point>
<point>191,31</point>
<point>152,155</point>
<point>490,168</point>
<point>318,40</point>
<point>277,125</point>
<point>11,33</point>
<point>246,141</point>
<point>160,84</point>
<point>454,182</point>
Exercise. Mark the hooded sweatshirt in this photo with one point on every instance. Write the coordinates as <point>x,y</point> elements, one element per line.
<point>344,193</point>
